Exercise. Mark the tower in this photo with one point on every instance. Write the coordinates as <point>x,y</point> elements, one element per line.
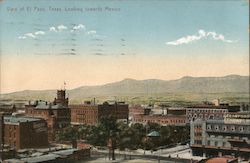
<point>61,99</point>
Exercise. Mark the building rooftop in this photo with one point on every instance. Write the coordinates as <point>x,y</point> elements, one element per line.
<point>46,105</point>
<point>43,158</point>
<point>207,107</point>
<point>224,159</point>
<point>17,120</point>
<point>65,152</point>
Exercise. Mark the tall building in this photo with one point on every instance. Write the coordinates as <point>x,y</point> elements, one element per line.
<point>57,114</point>
<point>23,132</point>
<point>91,114</point>
<point>230,136</point>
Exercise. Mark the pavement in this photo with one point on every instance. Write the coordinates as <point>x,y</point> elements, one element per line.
<point>181,152</point>
<point>103,160</point>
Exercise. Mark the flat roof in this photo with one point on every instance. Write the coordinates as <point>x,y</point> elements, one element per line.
<point>17,120</point>
<point>42,158</point>
<point>65,152</point>
<point>228,122</point>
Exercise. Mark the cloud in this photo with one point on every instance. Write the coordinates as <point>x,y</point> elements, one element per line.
<point>201,35</point>
<point>59,28</point>
<point>78,27</point>
<point>30,35</point>
<point>40,33</point>
<point>52,29</point>
<point>22,37</point>
<point>91,32</point>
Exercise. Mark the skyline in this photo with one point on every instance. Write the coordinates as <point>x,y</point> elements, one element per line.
<point>43,45</point>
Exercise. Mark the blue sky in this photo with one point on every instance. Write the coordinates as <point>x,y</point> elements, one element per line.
<point>135,30</point>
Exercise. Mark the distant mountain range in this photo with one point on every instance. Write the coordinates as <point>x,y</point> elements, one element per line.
<point>231,83</point>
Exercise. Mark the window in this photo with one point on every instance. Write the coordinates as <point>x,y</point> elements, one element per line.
<point>241,129</point>
<point>217,127</point>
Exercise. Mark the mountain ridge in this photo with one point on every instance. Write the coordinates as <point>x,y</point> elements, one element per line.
<point>128,86</point>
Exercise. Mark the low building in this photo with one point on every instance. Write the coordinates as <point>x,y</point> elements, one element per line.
<point>224,159</point>
<point>230,136</point>
<point>8,108</point>
<point>91,114</point>
<point>164,120</point>
<point>61,155</point>
<point>139,109</point>
<point>23,132</point>
<point>176,111</point>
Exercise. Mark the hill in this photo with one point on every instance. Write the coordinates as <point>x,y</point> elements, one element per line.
<point>127,87</point>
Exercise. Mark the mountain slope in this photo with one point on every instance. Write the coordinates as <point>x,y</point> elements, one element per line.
<point>231,83</point>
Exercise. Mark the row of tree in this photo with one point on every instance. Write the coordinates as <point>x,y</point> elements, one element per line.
<point>134,136</point>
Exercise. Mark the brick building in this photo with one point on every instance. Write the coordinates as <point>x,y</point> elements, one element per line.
<point>89,113</point>
<point>230,136</point>
<point>164,120</point>
<point>57,114</point>
<point>138,109</point>
<point>176,111</point>
<point>23,132</point>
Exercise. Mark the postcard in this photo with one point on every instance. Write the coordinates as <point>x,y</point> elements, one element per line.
<point>131,81</point>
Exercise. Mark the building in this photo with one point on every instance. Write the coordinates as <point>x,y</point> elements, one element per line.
<point>23,132</point>
<point>208,110</point>
<point>164,120</point>
<point>139,109</point>
<point>8,108</point>
<point>230,136</point>
<point>53,156</point>
<point>57,114</point>
<point>11,106</point>
<point>168,116</point>
<point>205,112</point>
<point>91,113</point>
<point>176,111</point>
<point>224,159</point>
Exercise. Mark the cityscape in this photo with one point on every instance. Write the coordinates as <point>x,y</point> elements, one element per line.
<point>124,81</point>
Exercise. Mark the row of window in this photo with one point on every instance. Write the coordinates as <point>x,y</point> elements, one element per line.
<point>206,116</point>
<point>216,143</point>
<point>206,110</point>
<point>198,142</point>
<point>85,111</point>
<point>198,134</point>
<point>161,121</point>
<point>228,128</point>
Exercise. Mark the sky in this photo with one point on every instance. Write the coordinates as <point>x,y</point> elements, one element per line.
<point>45,43</point>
